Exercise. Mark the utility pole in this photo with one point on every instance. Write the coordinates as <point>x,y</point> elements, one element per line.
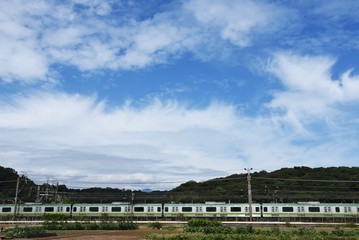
<point>38,194</point>
<point>132,203</point>
<point>56,192</point>
<point>16,196</point>
<point>249,192</point>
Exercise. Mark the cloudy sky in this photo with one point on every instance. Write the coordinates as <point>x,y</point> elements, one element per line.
<point>149,94</point>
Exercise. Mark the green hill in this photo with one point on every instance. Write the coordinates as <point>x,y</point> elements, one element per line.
<point>8,180</point>
<point>334,184</point>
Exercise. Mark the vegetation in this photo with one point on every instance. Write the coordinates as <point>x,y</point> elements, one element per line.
<point>103,225</point>
<point>25,232</point>
<point>206,232</point>
<point>334,184</point>
<point>196,223</point>
<point>8,179</point>
<point>155,225</point>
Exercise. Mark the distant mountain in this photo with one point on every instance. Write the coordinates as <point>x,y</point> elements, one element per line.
<point>334,184</point>
<point>147,190</point>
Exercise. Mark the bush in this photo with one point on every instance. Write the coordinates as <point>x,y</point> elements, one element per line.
<point>203,223</point>
<point>25,232</point>
<point>127,225</point>
<point>155,225</point>
<point>104,225</point>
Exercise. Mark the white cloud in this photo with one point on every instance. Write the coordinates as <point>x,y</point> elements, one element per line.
<point>237,21</point>
<point>311,93</point>
<point>163,141</point>
<point>20,55</point>
<point>85,34</point>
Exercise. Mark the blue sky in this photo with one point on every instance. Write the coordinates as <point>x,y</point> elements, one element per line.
<point>149,94</point>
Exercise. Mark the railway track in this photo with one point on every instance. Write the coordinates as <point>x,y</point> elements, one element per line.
<point>234,223</point>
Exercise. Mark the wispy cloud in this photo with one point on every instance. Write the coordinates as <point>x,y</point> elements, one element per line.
<point>311,93</point>
<point>237,21</point>
<point>63,133</point>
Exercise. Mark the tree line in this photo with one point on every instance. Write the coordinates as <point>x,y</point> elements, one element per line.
<point>333,184</point>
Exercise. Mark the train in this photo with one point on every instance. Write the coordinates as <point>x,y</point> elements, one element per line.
<point>183,211</point>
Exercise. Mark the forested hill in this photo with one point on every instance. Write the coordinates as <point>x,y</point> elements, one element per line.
<point>334,184</point>
<point>8,180</point>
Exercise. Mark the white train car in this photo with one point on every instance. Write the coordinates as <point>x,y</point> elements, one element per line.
<point>101,209</point>
<point>6,211</point>
<point>148,210</point>
<point>116,210</point>
<point>310,210</point>
<point>210,209</point>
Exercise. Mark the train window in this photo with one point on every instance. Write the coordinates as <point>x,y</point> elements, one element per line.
<point>236,209</point>
<point>116,209</point>
<point>6,209</point>
<point>265,209</point>
<point>211,209</point>
<point>75,209</point>
<point>327,209</point>
<point>166,209</point>
<point>287,209</point>
<point>139,209</point>
<point>186,209</point>
<point>257,209</point>
<point>93,209</point>
<point>150,209</point>
<point>27,209</point>
<point>159,209</point>
<point>198,209</point>
<point>314,209</point>
<point>49,209</point>
<point>67,209</point>
<point>60,209</point>
<point>347,209</point>
<point>337,209</point>
<point>223,209</point>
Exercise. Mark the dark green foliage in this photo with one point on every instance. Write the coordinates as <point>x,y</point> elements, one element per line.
<point>275,186</point>
<point>203,223</point>
<point>8,179</point>
<point>104,225</point>
<point>266,187</point>
<point>249,233</point>
<point>155,225</point>
<point>25,232</point>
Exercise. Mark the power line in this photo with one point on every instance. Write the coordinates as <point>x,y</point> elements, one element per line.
<point>307,180</point>
<point>8,181</point>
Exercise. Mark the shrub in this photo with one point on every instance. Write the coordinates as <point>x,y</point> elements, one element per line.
<point>203,223</point>
<point>155,225</point>
<point>25,232</point>
<point>127,225</point>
